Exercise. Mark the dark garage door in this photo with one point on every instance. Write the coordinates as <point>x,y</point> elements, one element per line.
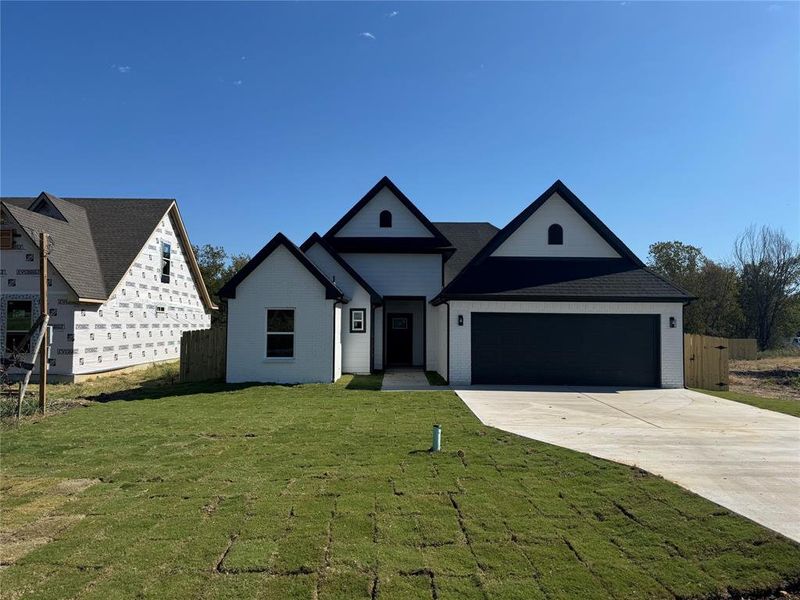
<point>565,349</point>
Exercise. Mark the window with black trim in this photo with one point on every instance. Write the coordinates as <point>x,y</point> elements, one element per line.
<point>555,235</point>
<point>280,333</point>
<point>19,315</point>
<point>358,320</point>
<point>166,259</point>
<point>385,218</point>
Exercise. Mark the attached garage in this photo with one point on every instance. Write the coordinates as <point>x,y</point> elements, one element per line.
<point>566,349</point>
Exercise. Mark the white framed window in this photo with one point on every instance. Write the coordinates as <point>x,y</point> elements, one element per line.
<point>358,320</point>
<point>280,333</point>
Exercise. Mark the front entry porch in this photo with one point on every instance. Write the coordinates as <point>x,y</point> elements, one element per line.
<point>404,332</point>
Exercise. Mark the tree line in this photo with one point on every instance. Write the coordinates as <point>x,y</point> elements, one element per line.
<point>755,295</point>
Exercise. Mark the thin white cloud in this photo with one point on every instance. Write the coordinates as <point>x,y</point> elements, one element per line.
<point>367,35</point>
<point>244,58</point>
<point>121,68</point>
<point>774,8</point>
<point>238,82</point>
<point>394,13</point>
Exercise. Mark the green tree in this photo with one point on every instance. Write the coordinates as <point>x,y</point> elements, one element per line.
<point>769,268</point>
<point>217,267</point>
<point>715,310</point>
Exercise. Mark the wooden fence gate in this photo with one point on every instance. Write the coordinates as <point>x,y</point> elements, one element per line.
<point>705,362</point>
<point>203,354</point>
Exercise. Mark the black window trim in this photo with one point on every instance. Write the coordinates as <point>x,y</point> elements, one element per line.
<point>555,235</point>
<point>363,313</point>
<point>166,261</point>
<point>267,333</point>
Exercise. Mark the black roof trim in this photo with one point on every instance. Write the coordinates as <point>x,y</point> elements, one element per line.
<point>386,182</point>
<point>410,245</point>
<point>229,289</point>
<point>562,190</point>
<point>574,298</point>
<point>315,238</point>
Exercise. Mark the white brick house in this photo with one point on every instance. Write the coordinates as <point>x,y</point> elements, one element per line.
<point>553,298</point>
<point>124,283</point>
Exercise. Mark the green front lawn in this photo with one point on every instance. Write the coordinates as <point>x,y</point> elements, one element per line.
<point>329,492</point>
<point>789,407</point>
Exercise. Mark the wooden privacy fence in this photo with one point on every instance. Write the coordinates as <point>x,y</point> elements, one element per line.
<point>705,362</point>
<point>203,354</point>
<point>742,349</point>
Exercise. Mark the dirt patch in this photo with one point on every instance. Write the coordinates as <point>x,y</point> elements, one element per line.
<point>768,377</point>
<point>34,518</point>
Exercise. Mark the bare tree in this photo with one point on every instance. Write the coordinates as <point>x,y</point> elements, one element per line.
<point>769,267</point>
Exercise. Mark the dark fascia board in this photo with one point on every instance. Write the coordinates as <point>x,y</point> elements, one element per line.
<point>562,190</point>
<point>386,182</point>
<point>331,291</point>
<point>441,298</point>
<point>410,245</point>
<point>315,238</point>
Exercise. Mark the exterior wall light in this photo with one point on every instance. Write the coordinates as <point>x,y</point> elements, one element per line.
<point>672,322</point>
<point>460,320</point>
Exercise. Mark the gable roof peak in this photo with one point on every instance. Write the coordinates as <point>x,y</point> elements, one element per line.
<point>332,292</point>
<point>577,205</point>
<point>387,183</point>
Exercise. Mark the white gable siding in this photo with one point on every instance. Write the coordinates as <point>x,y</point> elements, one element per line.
<point>402,275</point>
<point>355,346</point>
<point>365,222</point>
<point>19,280</point>
<point>580,239</point>
<point>671,338</point>
<point>280,281</point>
<point>128,330</point>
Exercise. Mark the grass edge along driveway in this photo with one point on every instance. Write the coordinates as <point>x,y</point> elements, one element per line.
<point>321,491</point>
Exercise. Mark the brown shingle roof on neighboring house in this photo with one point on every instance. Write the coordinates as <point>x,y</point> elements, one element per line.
<point>98,238</point>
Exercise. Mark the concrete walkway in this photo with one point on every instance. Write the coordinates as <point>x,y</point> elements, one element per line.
<point>404,380</point>
<point>744,458</point>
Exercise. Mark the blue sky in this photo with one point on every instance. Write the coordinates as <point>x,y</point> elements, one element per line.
<point>671,121</point>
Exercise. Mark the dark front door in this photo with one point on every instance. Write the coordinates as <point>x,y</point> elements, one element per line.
<point>566,349</point>
<point>399,339</point>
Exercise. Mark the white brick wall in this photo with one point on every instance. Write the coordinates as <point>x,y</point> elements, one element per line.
<point>337,336</point>
<point>439,318</point>
<point>280,281</point>
<point>671,338</point>
<point>355,346</point>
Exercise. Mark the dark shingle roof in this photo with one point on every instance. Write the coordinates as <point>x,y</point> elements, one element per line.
<point>562,278</point>
<point>99,240</point>
<point>467,239</point>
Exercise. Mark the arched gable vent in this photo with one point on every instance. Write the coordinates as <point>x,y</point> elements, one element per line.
<point>555,235</point>
<point>385,219</point>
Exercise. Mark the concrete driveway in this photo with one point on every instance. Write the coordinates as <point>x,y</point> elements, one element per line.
<point>744,458</point>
